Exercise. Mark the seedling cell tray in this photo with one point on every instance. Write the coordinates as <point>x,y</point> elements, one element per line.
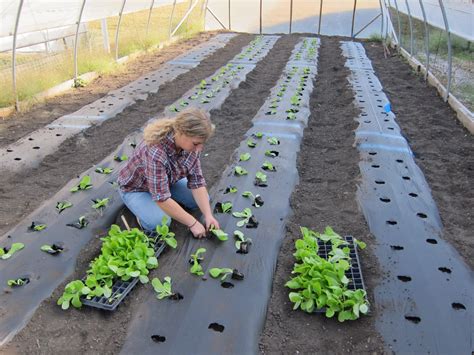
<point>120,289</point>
<point>354,274</point>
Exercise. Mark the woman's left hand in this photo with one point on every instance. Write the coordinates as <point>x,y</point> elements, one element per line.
<point>211,221</point>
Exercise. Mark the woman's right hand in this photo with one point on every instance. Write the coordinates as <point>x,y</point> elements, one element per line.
<point>198,230</point>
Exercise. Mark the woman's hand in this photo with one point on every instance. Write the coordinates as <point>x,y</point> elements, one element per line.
<point>211,221</point>
<point>198,230</point>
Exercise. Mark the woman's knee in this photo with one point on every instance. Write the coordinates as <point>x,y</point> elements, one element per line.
<point>150,222</point>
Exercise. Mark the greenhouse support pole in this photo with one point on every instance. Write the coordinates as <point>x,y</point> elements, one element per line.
<point>118,29</point>
<point>203,7</point>
<point>367,25</point>
<point>105,34</point>
<point>320,15</point>
<point>382,22</point>
<point>76,40</point>
<point>291,15</point>
<point>149,17</point>
<point>15,34</point>
<point>261,16</point>
<point>353,18</point>
<point>450,58</point>
<point>411,27</point>
<point>399,26</point>
<point>171,19</point>
<point>217,19</point>
<point>230,28</point>
<point>184,18</point>
<point>427,40</point>
<point>389,19</point>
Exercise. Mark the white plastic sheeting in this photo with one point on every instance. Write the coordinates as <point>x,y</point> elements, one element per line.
<point>43,17</point>
<point>460,14</point>
<point>336,16</point>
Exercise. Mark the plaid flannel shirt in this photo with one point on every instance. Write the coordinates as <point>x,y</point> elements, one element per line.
<point>155,168</point>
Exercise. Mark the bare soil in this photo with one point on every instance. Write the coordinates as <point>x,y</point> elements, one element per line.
<point>327,166</point>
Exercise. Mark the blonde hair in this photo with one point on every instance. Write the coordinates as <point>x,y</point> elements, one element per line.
<point>192,122</point>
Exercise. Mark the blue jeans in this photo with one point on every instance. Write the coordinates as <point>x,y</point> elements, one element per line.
<point>148,212</point>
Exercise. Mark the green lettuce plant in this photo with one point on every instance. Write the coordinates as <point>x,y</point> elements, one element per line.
<point>84,184</point>
<point>163,289</point>
<point>196,260</point>
<point>219,233</point>
<point>62,205</point>
<point>244,157</point>
<point>165,235</point>
<point>105,171</point>
<point>13,249</point>
<point>238,170</point>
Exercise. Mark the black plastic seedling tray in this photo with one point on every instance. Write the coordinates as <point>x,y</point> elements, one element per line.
<point>120,289</point>
<point>354,274</point>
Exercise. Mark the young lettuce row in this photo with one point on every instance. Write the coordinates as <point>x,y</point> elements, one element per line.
<point>322,283</point>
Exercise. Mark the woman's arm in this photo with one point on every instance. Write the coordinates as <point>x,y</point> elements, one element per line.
<point>176,212</point>
<point>201,197</point>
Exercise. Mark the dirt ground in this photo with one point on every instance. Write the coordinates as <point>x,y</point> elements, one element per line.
<point>328,171</point>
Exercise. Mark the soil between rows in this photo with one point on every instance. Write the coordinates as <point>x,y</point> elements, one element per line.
<point>328,171</point>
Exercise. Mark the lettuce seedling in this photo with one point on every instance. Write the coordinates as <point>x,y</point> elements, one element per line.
<point>84,184</point>
<point>216,272</point>
<point>165,234</point>
<point>244,157</point>
<point>14,248</point>
<point>257,199</point>
<point>295,100</point>
<point>223,207</point>
<point>52,249</point>
<point>246,214</point>
<point>196,259</point>
<point>268,166</point>
<point>17,282</point>
<point>100,204</point>
<point>105,171</point>
<point>193,97</point>
<point>183,103</point>
<point>242,243</point>
<point>251,143</point>
<point>271,112</point>
<point>230,189</point>
<point>260,179</point>
<point>81,223</point>
<point>205,101</point>
<point>173,108</point>
<point>272,153</point>
<point>219,233</point>
<point>203,84</point>
<point>37,227</point>
<point>257,135</point>
<point>273,140</point>
<point>62,205</point>
<point>238,170</point>
<point>120,158</point>
<point>73,292</point>
<point>291,116</point>
<point>163,289</point>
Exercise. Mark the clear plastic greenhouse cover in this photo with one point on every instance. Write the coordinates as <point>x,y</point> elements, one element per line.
<point>460,14</point>
<point>42,15</point>
<point>336,16</point>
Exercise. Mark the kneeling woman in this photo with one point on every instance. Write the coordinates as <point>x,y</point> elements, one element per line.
<point>165,171</point>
